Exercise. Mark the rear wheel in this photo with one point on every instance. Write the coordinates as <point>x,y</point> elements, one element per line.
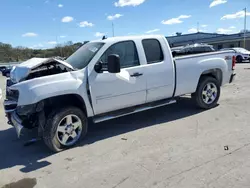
<point>65,128</point>
<point>207,93</point>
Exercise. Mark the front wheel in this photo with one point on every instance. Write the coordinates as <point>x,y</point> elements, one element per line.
<point>65,128</point>
<point>207,93</point>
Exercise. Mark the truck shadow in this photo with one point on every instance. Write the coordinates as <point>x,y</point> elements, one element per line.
<point>184,108</point>
<point>14,153</point>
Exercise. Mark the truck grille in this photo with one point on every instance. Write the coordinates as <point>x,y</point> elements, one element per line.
<point>9,106</point>
<point>11,94</point>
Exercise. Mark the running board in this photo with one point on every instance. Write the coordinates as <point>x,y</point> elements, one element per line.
<point>132,110</point>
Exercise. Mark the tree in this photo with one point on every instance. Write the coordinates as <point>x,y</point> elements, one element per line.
<point>19,53</point>
<point>5,52</point>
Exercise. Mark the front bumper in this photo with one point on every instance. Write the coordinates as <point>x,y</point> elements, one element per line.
<point>13,119</point>
<point>17,123</point>
<point>232,78</point>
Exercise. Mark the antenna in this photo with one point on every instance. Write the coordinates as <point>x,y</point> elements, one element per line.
<point>198,27</point>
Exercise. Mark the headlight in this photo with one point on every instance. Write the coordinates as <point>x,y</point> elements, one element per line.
<point>26,109</point>
<point>12,94</point>
<point>30,109</point>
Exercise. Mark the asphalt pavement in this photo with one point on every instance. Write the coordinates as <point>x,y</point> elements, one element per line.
<point>176,146</point>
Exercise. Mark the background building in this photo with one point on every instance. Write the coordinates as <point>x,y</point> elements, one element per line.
<point>217,40</point>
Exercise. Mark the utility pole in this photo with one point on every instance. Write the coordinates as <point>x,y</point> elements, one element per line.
<point>113,29</point>
<point>60,48</point>
<point>198,27</point>
<point>245,26</point>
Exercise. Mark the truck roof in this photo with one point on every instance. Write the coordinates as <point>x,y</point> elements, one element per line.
<point>122,38</point>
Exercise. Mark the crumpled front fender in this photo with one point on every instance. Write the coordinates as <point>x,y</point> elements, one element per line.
<point>38,89</point>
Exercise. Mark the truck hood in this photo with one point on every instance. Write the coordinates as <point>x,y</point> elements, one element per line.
<point>21,72</point>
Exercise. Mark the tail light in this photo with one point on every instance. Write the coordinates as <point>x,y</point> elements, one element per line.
<point>233,62</point>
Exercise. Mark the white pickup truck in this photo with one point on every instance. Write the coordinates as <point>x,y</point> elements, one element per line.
<point>106,79</point>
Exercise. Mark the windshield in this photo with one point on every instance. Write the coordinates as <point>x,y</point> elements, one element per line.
<point>84,55</point>
<point>241,50</point>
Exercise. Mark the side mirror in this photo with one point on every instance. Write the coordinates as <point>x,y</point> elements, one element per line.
<point>114,64</point>
<point>98,67</point>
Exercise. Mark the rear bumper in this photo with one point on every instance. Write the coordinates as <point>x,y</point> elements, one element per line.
<point>232,78</point>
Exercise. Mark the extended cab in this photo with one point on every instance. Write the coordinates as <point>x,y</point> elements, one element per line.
<point>106,79</point>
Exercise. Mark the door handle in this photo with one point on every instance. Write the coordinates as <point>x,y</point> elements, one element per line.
<point>137,74</point>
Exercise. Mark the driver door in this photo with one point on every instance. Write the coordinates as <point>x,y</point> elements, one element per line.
<point>110,92</point>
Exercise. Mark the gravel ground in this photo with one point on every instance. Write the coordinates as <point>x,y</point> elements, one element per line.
<point>174,146</point>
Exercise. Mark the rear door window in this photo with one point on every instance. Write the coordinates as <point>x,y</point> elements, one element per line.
<point>153,50</point>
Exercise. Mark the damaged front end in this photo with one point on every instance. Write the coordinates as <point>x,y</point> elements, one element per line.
<point>32,115</point>
<point>38,67</point>
<point>27,116</point>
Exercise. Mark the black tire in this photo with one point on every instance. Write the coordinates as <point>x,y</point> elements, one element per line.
<point>49,135</point>
<point>198,97</point>
<point>239,59</point>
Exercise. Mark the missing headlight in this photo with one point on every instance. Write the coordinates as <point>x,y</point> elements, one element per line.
<point>26,109</point>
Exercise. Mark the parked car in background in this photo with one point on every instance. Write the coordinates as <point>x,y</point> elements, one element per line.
<point>107,79</point>
<point>6,71</point>
<point>193,49</point>
<point>176,49</point>
<point>241,54</point>
<point>2,68</point>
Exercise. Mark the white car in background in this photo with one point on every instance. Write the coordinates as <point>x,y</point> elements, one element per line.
<point>241,54</point>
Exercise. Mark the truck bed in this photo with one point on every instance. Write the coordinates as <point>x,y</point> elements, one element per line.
<point>214,54</point>
<point>186,80</point>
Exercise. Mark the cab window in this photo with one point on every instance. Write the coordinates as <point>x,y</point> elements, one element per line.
<point>127,52</point>
<point>153,51</point>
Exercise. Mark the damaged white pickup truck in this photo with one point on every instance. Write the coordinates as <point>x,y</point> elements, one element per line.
<point>106,79</point>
